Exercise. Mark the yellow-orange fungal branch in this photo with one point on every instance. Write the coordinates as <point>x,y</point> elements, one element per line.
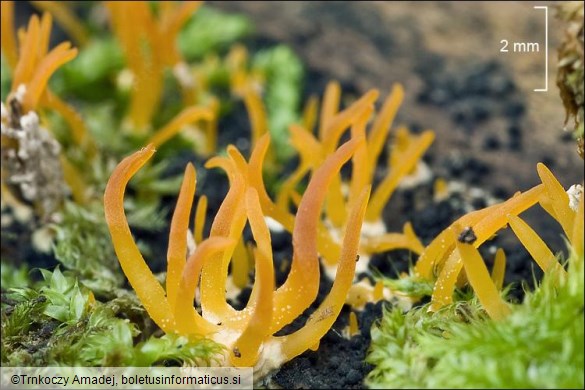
<point>46,25</point>
<point>327,247</point>
<point>79,132</point>
<point>439,249</point>
<point>256,180</point>
<point>172,19</point>
<point>408,160</point>
<point>149,45</point>
<point>558,198</point>
<point>362,292</point>
<point>480,281</point>
<point>577,234</point>
<point>240,264</point>
<point>27,54</point>
<point>310,155</point>
<point>336,205</point>
<point>257,114</point>
<point>236,62</point>
<point>344,119</point>
<point>44,69</point>
<point>383,123</point>
<point>239,161</point>
<point>378,290</point>
<point>148,289</point>
<point>324,317</point>
<point>184,118</point>
<point>331,100</point>
<point>442,251</point>
<point>256,332</point>
<point>360,159</point>
<point>446,281</point>
<point>543,256</point>
<point>34,66</point>
<point>310,113</point>
<point>499,269</point>
<point>67,19</point>
<point>440,189</point>
<point>188,320</point>
<point>388,241</point>
<point>177,249</point>
<point>199,222</point>
<point>485,223</point>
<point>353,324</point>
<point>455,248</point>
<point>301,286</point>
<point>229,222</point>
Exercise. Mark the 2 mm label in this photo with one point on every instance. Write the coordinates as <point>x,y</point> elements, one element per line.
<point>519,47</point>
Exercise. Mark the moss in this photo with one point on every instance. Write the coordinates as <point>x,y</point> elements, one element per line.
<point>12,276</point>
<point>210,30</point>
<point>538,346</point>
<point>284,75</point>
<point>412,286</point>
<point>90,76</point>
<point>58,322</point>
<point>82,244</point>
<point>5,78</point>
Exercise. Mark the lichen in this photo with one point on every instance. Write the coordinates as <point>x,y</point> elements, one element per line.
<point>31,167</point>
<point>570,67</point>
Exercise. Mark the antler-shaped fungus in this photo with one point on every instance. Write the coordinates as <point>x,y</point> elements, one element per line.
<point>456,247</point>
<point>313,150</point>
<point>33,64</point>
<point>247,333</point>
<point>134,24</point>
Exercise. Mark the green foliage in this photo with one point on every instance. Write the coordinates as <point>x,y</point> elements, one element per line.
<point>66,301</point>
<point>12,277</point>
<point>31,315</point>
<point>102,121</point>
<point>540,345</point>
<point>25,303</point>
<point>395,351</point>
<point>146,215</point>
<point>83,244</point>
<point>91,75</point>
<point>411,286</point>
<point>5,78</point>
<point>104,340</point>
<point>58,323</point>
<point>211,30</point>
<point>100,340</point>
<point>178,349</point>
<point>153,179</point>
<point>284,75</point>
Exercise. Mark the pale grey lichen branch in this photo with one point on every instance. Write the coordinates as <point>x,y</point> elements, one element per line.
<point>31,167</point>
